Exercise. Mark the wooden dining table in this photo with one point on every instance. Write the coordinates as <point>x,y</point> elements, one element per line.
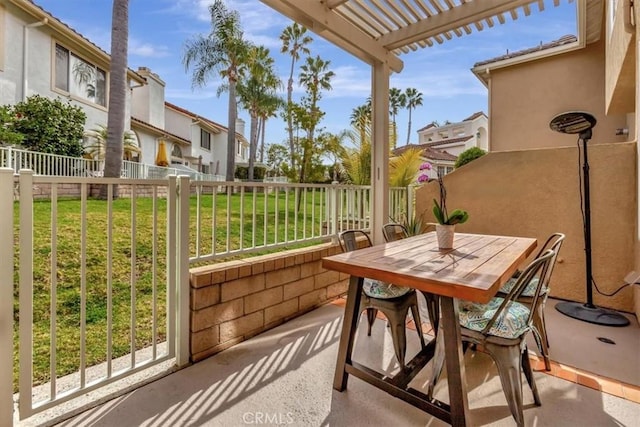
<point>474,269</point>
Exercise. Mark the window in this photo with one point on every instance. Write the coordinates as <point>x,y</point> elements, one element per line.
<point>205,139</point>
<point>205,169</point>
<point>79,77</point>
<point>176,151</point>
<point>238,148</point>
<point>443,170</point>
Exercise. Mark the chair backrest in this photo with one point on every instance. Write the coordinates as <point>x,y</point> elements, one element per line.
<point>554,242</point>
<point>349,239</point>
<point>539,268</point>
<point>393,231</point>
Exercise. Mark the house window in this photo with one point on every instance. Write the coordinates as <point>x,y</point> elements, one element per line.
<point>238,148</point>
<point>205,169</point>
<point>79,78</point>
<point>176,151</point>
<point>205,139</point>
<point>443,170</point>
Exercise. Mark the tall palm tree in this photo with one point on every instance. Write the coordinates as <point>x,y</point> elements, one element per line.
<point>268,109</point>
<point>397,100</point>
<point>294,41</point>
<point>414,99</point>
<point>315,76</point>
<point>117,90</point>
<point>257,88</point>
<point>222,51</point>
<point>361,118</point>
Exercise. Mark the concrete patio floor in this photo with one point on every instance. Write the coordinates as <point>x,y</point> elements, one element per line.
<point>284,377</point>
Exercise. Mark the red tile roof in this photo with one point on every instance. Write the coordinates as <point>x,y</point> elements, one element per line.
<point>447,141</point>
<point>159,130</point>
<point>427,152</point>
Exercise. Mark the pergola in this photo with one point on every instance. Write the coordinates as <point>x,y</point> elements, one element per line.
<point>379,31</point>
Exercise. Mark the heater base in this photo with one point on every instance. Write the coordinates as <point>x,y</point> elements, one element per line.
<point>592,314</point>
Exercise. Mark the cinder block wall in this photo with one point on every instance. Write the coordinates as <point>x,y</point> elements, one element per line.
<point>233,301</point>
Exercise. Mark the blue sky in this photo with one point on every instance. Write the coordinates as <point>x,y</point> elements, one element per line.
<point>158,30</point>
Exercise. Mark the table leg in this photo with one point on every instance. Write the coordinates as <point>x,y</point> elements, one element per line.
<point>348,335</point>
<point>454,359</point>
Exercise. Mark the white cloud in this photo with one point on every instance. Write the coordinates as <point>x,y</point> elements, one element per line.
<point>147,50</point>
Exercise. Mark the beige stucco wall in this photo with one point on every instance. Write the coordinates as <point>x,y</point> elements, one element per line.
<point>524,98</point>
<point>534,193</point>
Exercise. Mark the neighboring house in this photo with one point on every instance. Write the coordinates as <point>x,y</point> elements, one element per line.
<point>457,137</point>
<point>442,145</point>
<point>41,55</point>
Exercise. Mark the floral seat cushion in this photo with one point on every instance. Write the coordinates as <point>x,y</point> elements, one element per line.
<point>381,290</point>
<point>529,290</point>
<point>512,323</point>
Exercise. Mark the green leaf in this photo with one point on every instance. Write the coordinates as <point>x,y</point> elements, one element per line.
<point>437,212</point>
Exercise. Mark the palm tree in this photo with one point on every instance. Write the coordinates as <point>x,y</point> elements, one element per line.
<point>294,41</point>
<point>222,51</point>
<point>414,99</point>
<point>268,109</point>
<point>397,101</point>
<point>97,148</point>
<point>356,160</point>
<point>315,76</point>
<point>361,118</point>
<point>257,89</point>
<point>117,91</point>
<point>404,168</point>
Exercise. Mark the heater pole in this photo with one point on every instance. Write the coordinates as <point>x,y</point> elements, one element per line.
<point>586,136</point>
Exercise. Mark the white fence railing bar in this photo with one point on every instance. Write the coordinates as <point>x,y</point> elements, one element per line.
<point>57,165</point>
<point>95,284</point>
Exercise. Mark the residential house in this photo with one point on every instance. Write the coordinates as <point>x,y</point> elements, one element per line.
<point>442,145</point>
<point>39,54</point>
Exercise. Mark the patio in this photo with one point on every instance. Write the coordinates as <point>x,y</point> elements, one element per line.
<point>285,375</point>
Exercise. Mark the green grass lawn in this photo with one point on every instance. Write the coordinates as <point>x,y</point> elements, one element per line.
<point>68,269</point>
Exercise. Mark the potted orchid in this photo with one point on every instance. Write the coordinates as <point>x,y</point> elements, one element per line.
<point>446,220</point>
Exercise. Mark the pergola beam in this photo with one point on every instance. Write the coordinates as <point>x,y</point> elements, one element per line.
<point>332,4</point>
<point>449,20</point>
<point>318,18</point>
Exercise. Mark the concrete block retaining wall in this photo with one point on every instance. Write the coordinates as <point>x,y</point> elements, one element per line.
<point>234,301</point>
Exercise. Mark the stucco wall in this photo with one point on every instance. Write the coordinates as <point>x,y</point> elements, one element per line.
<point>524,98</point>
<point>534,193</point>
<point>233,301</point>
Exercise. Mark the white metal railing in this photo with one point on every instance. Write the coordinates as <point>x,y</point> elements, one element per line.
<point>92,279</point>
<point>248,217</point>
<point>57,165</point>
<point>197,220</point>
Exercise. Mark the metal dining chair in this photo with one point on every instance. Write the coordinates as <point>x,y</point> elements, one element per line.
<point>539,325</point>
<point>500,327</point>
<point>393,301</point>
<point>393,231</point>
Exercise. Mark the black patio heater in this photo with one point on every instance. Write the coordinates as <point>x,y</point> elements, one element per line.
<point>579,122</point>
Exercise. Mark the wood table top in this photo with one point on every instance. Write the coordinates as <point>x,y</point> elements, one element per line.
<point>476,267</point>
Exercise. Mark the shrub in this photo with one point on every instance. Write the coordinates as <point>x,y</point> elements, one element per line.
<point>242,172</point>
<point>8,136</point>
<point>50,126</point>
<point>469,155</point>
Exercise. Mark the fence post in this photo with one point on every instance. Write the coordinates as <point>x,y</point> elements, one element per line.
<point>411,193</point>
<point>333,212</point>
<point>183,287</point>
<point>6,297</point>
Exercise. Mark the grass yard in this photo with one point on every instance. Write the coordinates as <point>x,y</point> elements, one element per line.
<point>134,269</point>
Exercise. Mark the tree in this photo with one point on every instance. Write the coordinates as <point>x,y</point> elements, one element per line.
<point>294,41</point>
<point>469,155</point>
<point>49,125</point>
<point>404,168</point>
<point>414,99</point>
<point>332,145</point>
<point>98,137</point>
<point>268,109</point>
<point>361,118</point>
<point>222,51</point>
<point>255,91</point>
<point>117,90</point>
<point>397,100</point>
<point>277,156</point>
<point>356,160</point>
<point>315,76</point>
<point>8,136</point>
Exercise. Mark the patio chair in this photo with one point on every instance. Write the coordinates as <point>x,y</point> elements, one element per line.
<point>539,325</point>
<point>393,301</point>
<point>393,231</point>
<point>500,327</point>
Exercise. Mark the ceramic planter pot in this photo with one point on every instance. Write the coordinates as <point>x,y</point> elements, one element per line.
<point>445,233</point>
